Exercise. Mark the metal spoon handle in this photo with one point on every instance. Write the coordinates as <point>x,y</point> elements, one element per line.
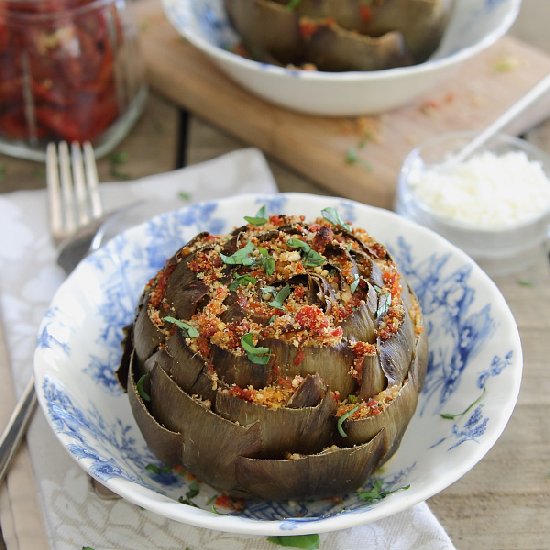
<point>15,430</point>
<point>501,122</point>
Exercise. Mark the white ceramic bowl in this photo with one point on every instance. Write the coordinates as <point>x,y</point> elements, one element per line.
<point>498,250</point>
<point>474,25</point>
<point>475,352</point>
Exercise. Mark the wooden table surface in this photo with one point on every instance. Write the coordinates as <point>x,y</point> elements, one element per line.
<point>504,502</point>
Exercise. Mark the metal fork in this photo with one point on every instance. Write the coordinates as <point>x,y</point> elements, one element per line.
<point>73,189</point>
<point>74,202</point>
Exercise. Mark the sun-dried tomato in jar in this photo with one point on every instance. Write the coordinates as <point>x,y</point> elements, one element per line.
<point>69,69</point>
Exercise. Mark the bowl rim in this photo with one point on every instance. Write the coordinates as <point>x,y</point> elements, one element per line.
<point>519,144</point>
<point>165,506</point>
<point>429,66</point>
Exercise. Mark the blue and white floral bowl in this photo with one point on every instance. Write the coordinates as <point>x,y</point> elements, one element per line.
<point>473,26</point>
<point>470,390</point>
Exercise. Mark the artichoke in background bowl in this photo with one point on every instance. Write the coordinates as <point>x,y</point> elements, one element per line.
<point>339,35</point>
<point>280,361</point>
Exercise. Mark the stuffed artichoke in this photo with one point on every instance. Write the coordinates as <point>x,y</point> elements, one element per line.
<point>280,361</point>
<point>339,35</point>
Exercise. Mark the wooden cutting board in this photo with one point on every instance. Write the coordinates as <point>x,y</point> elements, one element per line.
<point>355,157</point>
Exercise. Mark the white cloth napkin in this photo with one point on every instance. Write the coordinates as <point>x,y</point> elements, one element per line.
<point>74,516</point>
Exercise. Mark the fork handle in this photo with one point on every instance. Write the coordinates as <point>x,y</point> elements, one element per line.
<point>15,430</point>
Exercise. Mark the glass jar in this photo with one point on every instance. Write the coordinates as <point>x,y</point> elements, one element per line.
<point>69,70</point>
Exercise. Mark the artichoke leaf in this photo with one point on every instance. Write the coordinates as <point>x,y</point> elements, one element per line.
<point>211,444</point>
<point>320,292</point>
<point>420,361</point>
<point>392,421</point>
<point>187,369</point>
<point>146,335</point>
<point>333,364</point>
<point>373,378</point>
<point>421,22</point>
<point>360,325</point>
<point>333,48</point>
<point>309,392</point>
<point>166,444</point>
<point>303,430</point>
<point>396,352</point>
<point>268,30</point>
<point>127,351</point>
<point>239,370</point>
<point>335,470</point>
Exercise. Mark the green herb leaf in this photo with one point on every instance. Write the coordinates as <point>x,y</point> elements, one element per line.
<point>87,548</point>
<point>293,4</point>
<point>306,542</point>
<point>183,500</point>
<point>184,196</point>
<point>282,295</point>
<point>333,216</point>
<point>117,159</point>
<point>272,319</point>
<point>352,157</point>
<point>158,469</point>
<point>384,304</point>
<point>343,418</point>
<point>449,416</point>
<point>355,284</point>
<point>141,390</point>
<point>259,356</point>
<point>242,280</point>
<point>240,257</point>
<point>259,219</point>
<point>377,493</point>
<point>188,330</point>
<point>2,173</point>
<point>524,282</point>
<point>267,261</point>
<point>311,258</point>
<point>193,489</point>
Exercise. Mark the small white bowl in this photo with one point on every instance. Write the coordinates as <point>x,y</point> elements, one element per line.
<point>473,26</point>
<point>498,250</point>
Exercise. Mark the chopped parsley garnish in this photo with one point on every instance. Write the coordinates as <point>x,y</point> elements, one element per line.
<point>333,216</point>
<point>352,157</point>
<point>377,493</point>
<point>240,257</point>
<point>140,389</point>
<point>343,418</point>
<point>311,258</point>
<point>306,542</point>
<point>192,492</point>
<point>272,319</point>
<point>258,356</point>
<point>259,219</point>
<point>355,284</point>
<point>184,196</point>
<point>448,416</point>
<point>282,295</point>
<point>189,331</point>
<point>87,548</point>
<point>266,261</point>
<point>158,469</point>
<point>117,159</point>
<point>293,4</point>
<point>242,280</point>
<point>383,305</point>
<point>525,282</point>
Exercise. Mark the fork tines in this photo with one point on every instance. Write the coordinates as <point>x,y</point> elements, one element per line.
<point>73,190</point>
